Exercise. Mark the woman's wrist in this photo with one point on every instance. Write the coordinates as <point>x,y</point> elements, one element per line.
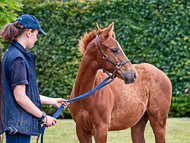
<point>43,115</point>
<point>54,101</point>
<point>45,120</point>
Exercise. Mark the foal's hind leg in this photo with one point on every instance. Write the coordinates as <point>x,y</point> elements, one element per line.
<point>157,115</point>
<point>83,136</point>
<point>160,93</point>
<point>137,131</point>
<point>158,124</point>
<point>157,112</point>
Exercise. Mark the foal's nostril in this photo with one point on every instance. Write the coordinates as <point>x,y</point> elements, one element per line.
<point>135,76</point>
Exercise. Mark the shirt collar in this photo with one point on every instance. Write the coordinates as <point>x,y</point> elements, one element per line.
<point>20,47</point>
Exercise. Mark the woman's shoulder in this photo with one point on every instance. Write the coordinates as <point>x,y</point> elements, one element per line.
<point>11,54</point>
<point>17,61</point>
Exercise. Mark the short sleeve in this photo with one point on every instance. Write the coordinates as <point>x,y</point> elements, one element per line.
<point>18,73</point>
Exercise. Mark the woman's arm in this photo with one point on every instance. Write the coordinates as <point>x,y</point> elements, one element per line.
<point>25,102</point>
<point>57,102</point>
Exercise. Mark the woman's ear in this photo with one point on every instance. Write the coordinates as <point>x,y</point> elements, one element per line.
<point>28,33</point>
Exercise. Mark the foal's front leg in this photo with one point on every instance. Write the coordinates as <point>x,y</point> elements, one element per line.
<point>100,133</point>
<point>83,136</point>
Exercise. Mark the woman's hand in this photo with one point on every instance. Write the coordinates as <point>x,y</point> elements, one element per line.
<point>59,101</point>
<point>49,121</point>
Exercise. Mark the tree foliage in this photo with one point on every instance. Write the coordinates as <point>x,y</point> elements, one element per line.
<point>8,13</point>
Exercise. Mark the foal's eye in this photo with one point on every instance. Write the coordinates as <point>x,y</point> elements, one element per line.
<point>115,50</point>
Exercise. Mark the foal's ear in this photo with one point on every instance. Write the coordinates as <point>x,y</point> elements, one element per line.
<point>106,31</point>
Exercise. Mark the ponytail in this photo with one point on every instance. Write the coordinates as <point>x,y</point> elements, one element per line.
<point>9,32</point>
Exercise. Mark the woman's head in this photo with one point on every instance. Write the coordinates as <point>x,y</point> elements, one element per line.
<point>24,25</point>
<point>30,36</point>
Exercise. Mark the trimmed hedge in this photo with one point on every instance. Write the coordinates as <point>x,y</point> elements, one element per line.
<point>156,32</point>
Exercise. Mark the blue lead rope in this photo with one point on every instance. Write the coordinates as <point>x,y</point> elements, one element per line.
<point>58,112</point>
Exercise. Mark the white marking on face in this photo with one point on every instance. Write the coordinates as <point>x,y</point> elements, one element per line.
<point>120,47</point>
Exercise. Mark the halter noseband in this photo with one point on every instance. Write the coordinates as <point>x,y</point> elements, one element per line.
<point>105,57</point>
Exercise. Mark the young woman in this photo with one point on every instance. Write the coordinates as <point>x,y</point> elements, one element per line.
<point>22,115</point>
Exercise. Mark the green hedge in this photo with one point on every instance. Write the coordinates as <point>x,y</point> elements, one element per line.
<point>156,32</point>
<point>8,13</point>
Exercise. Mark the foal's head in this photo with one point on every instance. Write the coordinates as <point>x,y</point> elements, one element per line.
<point>111,49</point>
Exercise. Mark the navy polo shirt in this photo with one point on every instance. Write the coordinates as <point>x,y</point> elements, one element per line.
<point>18,72</point>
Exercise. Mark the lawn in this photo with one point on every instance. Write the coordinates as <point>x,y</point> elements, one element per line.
<point>178,131</point>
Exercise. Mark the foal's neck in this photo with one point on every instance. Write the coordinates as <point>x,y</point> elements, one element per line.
<point>86,75</point>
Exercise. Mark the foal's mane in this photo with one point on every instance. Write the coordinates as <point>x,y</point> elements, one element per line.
<point>88,37</point>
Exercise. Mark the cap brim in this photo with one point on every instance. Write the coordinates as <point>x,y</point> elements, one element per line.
<point>41,31</point>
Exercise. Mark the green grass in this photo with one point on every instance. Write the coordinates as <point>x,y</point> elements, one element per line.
<point>178,131</point>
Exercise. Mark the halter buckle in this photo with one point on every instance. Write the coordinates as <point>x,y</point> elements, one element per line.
<point>105,56</point>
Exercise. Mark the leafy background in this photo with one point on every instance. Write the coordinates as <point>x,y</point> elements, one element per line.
<point>151,31</point>
<point>8,13</point>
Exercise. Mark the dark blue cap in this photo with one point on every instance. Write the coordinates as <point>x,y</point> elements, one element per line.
<point>29,21</point>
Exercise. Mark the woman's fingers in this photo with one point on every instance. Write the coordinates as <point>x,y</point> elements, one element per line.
<point>65,105</point>
<point>54,120</point>
<point>64,100</point>
<point>50,121</point>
